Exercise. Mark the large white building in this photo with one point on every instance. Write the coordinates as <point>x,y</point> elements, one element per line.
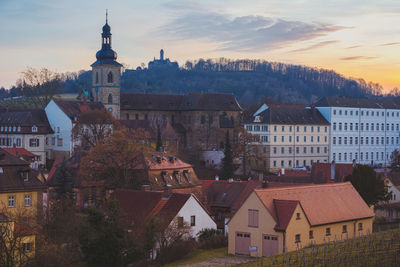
<point>364,130</point>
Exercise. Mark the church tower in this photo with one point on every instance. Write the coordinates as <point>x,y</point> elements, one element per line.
<point>106,74</point>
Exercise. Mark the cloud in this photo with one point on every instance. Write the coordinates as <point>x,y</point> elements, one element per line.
<point>316,46</point>
<point>389,44</point>
<point>244,33</point>
<point>357,58</point>
<point>354,46</point>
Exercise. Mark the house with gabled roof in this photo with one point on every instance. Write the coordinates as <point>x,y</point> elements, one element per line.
<point>276,220</point>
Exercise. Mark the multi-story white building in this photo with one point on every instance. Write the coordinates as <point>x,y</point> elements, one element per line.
<point>364,130</point>
<point>290,136</point>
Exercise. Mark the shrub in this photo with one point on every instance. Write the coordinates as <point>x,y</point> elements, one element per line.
<point>211,238</point>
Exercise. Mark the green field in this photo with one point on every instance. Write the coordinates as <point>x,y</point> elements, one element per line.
<point>377,249</point>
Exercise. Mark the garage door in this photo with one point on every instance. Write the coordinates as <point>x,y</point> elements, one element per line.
<point>270,245</point>
<point>242,243</point>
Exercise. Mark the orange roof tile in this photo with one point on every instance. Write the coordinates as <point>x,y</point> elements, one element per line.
<point>284,210</point>
<point>322,204</point>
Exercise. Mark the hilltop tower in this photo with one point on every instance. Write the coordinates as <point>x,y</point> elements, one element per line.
<point>106,74</point>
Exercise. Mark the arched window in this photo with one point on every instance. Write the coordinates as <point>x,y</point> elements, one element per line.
<point>110,77</point>
<point>97,77</point>
<point>110,98</point>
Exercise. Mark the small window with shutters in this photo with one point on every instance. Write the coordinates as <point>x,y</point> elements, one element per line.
<point>253,218</point>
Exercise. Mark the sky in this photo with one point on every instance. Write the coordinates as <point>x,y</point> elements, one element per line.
<point>356,38</point>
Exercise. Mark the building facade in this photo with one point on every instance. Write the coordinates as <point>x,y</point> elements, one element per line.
<point>364,130</point>
<point>290,136</point>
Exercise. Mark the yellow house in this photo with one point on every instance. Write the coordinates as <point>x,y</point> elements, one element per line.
<point>16,243</point>
<point>21,192</point>
<point>277,220</point>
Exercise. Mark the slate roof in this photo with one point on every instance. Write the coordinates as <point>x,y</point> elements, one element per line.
<point>188,102</point>
<point>74,108</point>
<point>140,206</point>
<point>358,103</point>
<point>322,204</point>
<point>291,115</point>
<point>10,177</point>
<point>284,212</point>
<point>25,118</point>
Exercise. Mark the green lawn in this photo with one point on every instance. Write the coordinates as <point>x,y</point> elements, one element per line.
<point>200,255</point>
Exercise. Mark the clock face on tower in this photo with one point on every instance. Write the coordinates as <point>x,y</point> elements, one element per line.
<point>110,109</point>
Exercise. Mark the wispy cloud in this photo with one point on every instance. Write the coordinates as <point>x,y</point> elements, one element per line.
<point>358,58</point>
<point>389,44</point>
<point>316,46</point>
<point>354,46</point>
<point>244,33</point>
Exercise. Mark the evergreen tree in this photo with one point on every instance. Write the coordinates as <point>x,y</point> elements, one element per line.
<point>159,143</point>
<point>370,187</point>
<point>227,161</point>
<point>63,178</point>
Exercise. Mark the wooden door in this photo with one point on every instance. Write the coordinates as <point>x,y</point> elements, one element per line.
<point>270,245</point>
<point>242,243</point>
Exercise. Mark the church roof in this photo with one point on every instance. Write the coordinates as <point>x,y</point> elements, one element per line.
<point>188,102</point>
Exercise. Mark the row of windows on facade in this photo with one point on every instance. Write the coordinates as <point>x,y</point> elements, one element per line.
<point>368,140</point>
<point>9,142</point>
<point>253,222</point>
<point>16,129</point>
<point>186,119</point>
<point>264,128</point>
<point>328,232</point>
<point>110,77</point>
<point>368,156</point>
<point>367,126</point>
<point>12,201</point>
<point>289,163</point>
<point>318,150</point>
<point>365,112</point>
<point>264,138</point>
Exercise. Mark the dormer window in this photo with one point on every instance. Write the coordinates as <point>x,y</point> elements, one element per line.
<point>186,175</point>
<point>1,128</point>
<point>1,170</point>
<point>34,129</point>
<point>14,128</point>
<point>9,129</point>
<point>110,78</point>
<point>19,129</point>
<point>25,175</point>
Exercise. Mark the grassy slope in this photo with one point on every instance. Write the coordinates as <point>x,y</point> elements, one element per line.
<point>200,255</point>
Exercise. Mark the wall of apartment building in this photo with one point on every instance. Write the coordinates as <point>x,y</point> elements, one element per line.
<point>288,146</point>
<point>365,135</point>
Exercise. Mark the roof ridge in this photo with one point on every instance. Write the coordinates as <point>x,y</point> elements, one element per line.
<point>302,186</point>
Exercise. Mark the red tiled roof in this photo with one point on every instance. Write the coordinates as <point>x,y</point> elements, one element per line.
<point>74,108</point>
<point>19,151</point>
<point>322,204</point>
<point>53,169</point>
<point>296,173</point>
<point>321,172</point>
<point>284,211</point>
<point>168,161</point>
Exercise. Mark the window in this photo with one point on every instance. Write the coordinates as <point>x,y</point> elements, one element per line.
<point>265,128</point>
<point>180,222</point>
<point>282,150</point>
<point>328,231</point>
<point>326,129</point>
<point>298,216</point>
<point>275,128</point>
<point>360,226</point>
<point>297,238</point>
<point>33,142</point>
<point>283,138</point>
<point>97,77</point>
<point>298,129</point>
<point>110,78</point>
<point>202,119</point>
<point>312,129</point>
<point>249,128</point>
<point>253,218</point>
<point>59,142</point>
<point>311,234</point>
<point>110,98</point>
<point>297,150</point>
<point>305,138</point>
<point>340,140</point>
<point>283,128</point>
<point>345,140</point>
<point>345,126</point>
<point>11,201</point>
<point>356,126</point>
<point>351,140</point>
<point>192,220</point>
<point>275,138</point>
<point>305,150</point>
<point>290,138</point>
<point>27,247</point>
<point>27,200</point>
<point>344,229</point>
<point>340,126</point>
<point>274,149</point>
<point>305,128</point>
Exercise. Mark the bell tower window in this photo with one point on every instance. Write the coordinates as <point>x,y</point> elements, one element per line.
<point>110,98</point>
<point>97,77</point>
<point>110,77</point>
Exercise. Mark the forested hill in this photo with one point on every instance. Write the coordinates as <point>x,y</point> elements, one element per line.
<point>249,80</point>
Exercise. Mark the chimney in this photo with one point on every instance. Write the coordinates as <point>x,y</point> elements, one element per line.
<point>333,170</point>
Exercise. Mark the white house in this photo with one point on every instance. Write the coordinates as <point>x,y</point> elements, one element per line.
<point>364,130</point>
<point>62,116</point>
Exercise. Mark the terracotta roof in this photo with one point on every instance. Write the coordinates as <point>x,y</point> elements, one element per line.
<point>140,206</point>
<point>26,119</point>
<point>358,103</point>
<point>161,161</point>
<point>283,115</point>
<point>74,108</point>
<point>322,173</point>
<point>284,211</point>
<point>167,102</point>
<point>19,151</point>
<point>322,204</point>
<point>10,175</point>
